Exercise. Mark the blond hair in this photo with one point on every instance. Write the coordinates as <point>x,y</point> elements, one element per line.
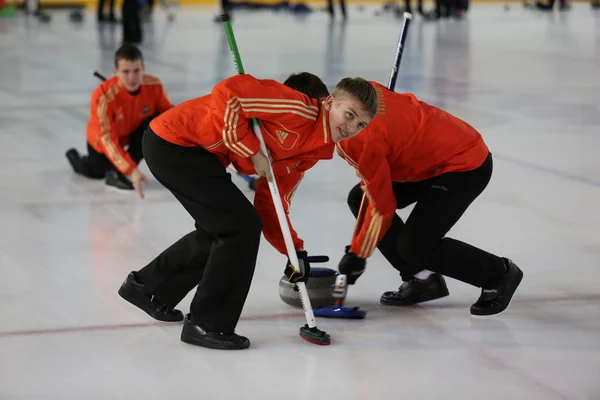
<point>361,90</point>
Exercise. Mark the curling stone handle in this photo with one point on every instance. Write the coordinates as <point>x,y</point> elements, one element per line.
<point>340,287</point>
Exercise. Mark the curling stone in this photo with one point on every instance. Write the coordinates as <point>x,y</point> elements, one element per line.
<point>320,286</point>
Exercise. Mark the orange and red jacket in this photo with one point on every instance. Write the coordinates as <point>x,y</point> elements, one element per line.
<point>408,141</point>
<point>115,114</point>
<point>295,129</point>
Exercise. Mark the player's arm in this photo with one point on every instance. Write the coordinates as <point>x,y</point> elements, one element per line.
<point>375,216</point>
<point>243,97</point>
<point>103,110</point>
<point>164,103</point>
<point>380,207</point>
<point>287,184</point>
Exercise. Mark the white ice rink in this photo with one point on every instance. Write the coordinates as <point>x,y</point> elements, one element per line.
<point>530,82</point>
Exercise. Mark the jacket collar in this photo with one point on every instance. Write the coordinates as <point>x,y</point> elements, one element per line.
<point>324,124</point>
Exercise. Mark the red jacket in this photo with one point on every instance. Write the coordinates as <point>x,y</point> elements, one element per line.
<point>408,141</point>
<point>115,114</point>
<point>295,129</point>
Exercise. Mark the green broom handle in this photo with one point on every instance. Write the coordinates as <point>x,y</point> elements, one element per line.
<point>285,229</point>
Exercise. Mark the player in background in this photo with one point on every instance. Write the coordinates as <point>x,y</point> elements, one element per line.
<point>120,110</point>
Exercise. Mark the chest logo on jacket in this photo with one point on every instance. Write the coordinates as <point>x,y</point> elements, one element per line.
<point>119,114</point>
<point>286,138</point>
<point>281,135</point>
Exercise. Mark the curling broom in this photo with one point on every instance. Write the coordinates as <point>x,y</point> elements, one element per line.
<point>391,86</point>
<point>340,288</point>
<point>309,331</point>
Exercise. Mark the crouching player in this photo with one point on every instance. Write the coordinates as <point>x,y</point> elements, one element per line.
<point>188,149</point>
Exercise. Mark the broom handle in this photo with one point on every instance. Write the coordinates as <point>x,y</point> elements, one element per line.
<point>285,229</point>
<point>391,85</point>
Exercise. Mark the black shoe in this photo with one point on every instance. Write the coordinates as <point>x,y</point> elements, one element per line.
<point>134,292</point>
<point>194,334</point>
<point>74,159</point>
<point>496,296</point>
<point>118,180</point>
<point>416,291</point>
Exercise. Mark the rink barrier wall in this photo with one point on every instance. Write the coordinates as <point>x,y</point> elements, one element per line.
<point>214,3</point>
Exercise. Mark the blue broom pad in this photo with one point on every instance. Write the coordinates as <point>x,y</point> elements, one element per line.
<point>339,312</point>
<point>247,178</point>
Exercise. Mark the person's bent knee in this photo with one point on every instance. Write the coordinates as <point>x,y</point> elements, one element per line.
<point>355,198</point>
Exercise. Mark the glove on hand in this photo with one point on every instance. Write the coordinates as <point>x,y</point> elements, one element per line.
<point>352,266</point>
<point>301,275</point>
<point>304,261</point>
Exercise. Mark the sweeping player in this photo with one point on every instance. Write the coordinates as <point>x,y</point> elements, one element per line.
<point>120,110</point>
<point>413,152</point>
<point>424,285</point>
<point>188,149</point>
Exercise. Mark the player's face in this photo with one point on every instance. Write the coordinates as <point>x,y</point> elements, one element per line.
<point>130,74</point>
<point>347,117</point>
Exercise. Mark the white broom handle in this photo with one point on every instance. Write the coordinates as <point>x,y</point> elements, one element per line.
<point>285,230</point>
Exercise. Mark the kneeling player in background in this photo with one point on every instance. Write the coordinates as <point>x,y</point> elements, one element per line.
<point>121,108</point>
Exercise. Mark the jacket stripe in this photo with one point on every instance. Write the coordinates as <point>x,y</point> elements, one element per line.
<point>230,129</point>
<point>290,194</point>
<point>110,146</point>
<point>370,241</point>
<point>281,101</point>
<point>325,128</point>
<point>380,101</point>
<point>247,105</point>
<point>280,111</point>
<point>274,106</point>
<point>213,146</point>
<point>345,156</point>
